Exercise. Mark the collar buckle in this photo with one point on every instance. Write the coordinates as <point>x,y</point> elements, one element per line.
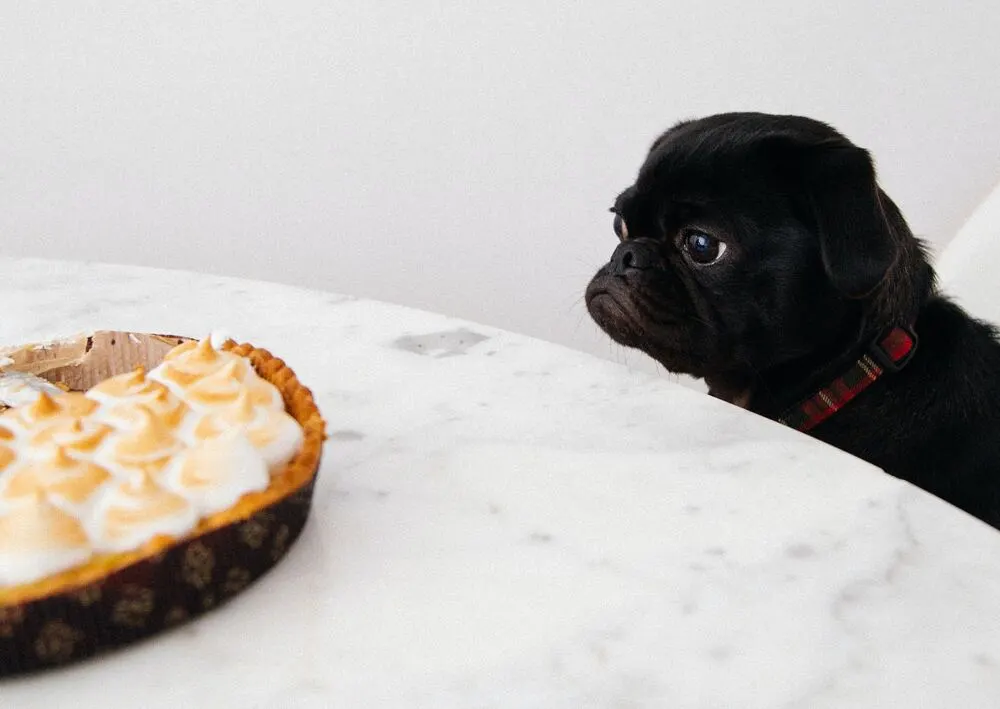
<point>893,348</point>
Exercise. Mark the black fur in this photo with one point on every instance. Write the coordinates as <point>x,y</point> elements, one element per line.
<point>818,261</point>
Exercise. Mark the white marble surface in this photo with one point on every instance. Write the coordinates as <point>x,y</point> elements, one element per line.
<point>504,523</point>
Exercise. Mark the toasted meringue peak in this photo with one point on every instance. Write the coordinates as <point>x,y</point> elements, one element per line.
<point>224,388</point>
<point>123,386</point>
<point>58,475</point>
<point>55,457</point>
<point>121,394</point>
<point>152,468</point>
<point>44,407</point>
<point>216,473</point>
<point>242,410</point>
<point>44,410</point>
<point>220,388</point>
<point>275,434</point>
<point>38,524</point>
<point>138,510</point>
<point>239,414</point>
<point>265,394</point>
<point>200,352</point>
<point>220,338</point>
<point>128,413</point>
<point>189,362</point>
<point>75,404</point>
<point>236,369</point>
<point>38,539</point>
<point>7,456</point>
<point>80,435</point>
<point>150,439</point>
<point>279,441</point>
<point>5,433</point>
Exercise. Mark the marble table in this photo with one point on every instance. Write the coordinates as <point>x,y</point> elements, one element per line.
<point>501,522</point>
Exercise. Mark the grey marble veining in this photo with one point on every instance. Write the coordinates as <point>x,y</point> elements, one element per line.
<point>502,522</point>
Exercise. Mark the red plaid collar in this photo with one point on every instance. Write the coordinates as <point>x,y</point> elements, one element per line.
<point>889,352</point>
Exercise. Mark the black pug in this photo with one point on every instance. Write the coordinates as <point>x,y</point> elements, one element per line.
<point>758,252</point>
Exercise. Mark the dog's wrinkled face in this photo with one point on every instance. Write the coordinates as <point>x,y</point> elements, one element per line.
<point>746,241</point>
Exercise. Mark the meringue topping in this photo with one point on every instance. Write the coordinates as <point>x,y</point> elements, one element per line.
<point>58,475</point>
<point>82,436</point>
<point>164,405</point>
<point>138,510</point>
<point>74,404</point>
<point>47,409</point>
<point>121,395</point>
<point>241,413</point>
<point>275,434</point>
<point>216,473</point>
<point>226,385</point>
<point>136,457</point>
<point>44,407</point>
<point>221,387</point>
<point>150,440</point>
<point>191,361</point>
<point>194,353</point>
<point>41,410</point>
<point>38,539</point>
<point>21,388</point>
<point>123,386</point>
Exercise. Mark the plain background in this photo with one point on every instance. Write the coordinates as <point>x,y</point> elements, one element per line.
<point>458,157</point>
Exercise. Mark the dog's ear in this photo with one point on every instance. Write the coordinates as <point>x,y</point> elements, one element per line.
<point>837,181</point>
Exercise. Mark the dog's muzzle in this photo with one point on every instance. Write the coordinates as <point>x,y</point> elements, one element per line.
<point>634,255</point>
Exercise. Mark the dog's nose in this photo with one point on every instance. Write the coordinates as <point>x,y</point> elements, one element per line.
<point>637,255</point>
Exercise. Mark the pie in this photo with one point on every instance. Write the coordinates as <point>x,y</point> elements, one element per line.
<point>149,496</point>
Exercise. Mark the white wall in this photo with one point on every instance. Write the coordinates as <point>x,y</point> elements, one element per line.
<point>458,157</point>
<point>967,269</point>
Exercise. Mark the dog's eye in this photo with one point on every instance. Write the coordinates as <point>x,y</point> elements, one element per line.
<point>702,248</point>
<point>620,227</point>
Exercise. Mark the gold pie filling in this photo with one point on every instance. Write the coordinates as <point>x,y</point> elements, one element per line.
<point>92,481</point>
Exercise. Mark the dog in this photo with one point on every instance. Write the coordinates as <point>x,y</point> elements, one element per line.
<point>759,253</point>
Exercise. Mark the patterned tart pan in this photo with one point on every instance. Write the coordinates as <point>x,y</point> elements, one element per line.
<point>117,599</point>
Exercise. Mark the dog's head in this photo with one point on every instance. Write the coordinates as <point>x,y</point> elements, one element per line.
<point>750,240</point>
